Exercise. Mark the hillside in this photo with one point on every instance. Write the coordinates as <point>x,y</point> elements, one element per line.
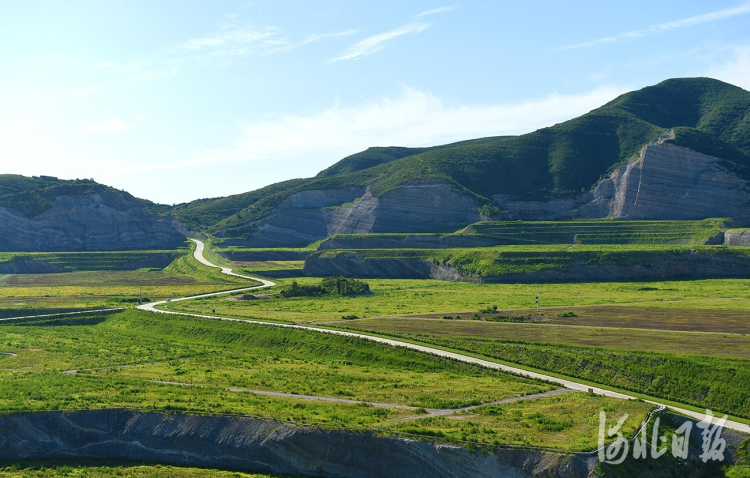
<point>49,214</point>
<point>583,167</point>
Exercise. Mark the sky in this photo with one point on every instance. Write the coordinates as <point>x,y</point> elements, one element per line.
<point>179,100</point>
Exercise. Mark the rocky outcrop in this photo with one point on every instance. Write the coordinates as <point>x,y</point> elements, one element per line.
<point>665,182</point>
<point>25,265</point>
<point>671,182</point>
<point>261,446</point>
<point>658,266</point>
<point>300,219</point>
<point>110,220</point>
<point>267,255</point>
<point>309,216</point>
<point>678,267</point>
<point>734,237</point>
<point>406,241</point>
<point>349,264</point>
<point>412,207</point>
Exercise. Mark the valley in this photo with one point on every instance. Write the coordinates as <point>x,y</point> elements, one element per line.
<point>471,306</point>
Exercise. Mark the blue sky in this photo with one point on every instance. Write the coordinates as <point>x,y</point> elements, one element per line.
<point>178,100</point>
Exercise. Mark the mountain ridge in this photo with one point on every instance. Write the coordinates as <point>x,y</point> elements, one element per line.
<point>681,133</point>
<point>562,162</point>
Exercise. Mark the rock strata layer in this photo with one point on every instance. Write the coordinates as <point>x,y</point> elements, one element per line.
<point>110,220</point>
<point>260,446</point>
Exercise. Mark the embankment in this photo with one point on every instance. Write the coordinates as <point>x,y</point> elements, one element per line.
<point>261,446</point>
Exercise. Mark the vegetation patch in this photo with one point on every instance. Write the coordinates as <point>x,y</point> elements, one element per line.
<point>336,286</point>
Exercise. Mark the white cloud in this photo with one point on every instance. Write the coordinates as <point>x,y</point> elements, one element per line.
<point>662,27</point>
<point>434,11</point>
<point>319,36</point>
<point>376,43</point>
<point>737,70</point>
<point>108,125</point>
<point>87,90</point>
<point>415,118</point>
<point>280,46</point>
<point>228,41</point>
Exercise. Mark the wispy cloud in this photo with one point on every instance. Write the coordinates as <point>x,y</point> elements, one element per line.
<point>285,46</point>
<point>666,26</point>
<point>414,118</point>
<point>375,43</point>
<point>234,40</point>
<point>108,125</point>
<point>434,11</point>
<point>319,36</point>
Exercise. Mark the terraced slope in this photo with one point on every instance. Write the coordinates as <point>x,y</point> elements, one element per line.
<point>585,231</point>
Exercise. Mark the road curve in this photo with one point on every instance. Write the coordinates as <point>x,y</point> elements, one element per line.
<point>198,254</point>
<point>733,425</point>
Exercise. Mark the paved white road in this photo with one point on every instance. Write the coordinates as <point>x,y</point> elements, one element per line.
<point>198,254</point>
<point>741,427</point>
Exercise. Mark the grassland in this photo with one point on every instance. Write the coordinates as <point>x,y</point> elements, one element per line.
<point>409,297</point>
<point>125,471</point>
<point>142,360</point>
<point>682,351</point>
<point>32,294</point>
<point>550,422</point>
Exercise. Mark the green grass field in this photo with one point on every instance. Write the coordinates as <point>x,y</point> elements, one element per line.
<point>131,471</point>
<point>685,341</point>
<point>33,294</point>
<point>143,360</point>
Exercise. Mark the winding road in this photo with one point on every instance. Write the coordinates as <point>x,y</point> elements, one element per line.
<point>568,384</point>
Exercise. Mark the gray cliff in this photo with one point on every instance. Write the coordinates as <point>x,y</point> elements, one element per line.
<point>664,182</point>
<point>261,446</point>
<point>109,220</point>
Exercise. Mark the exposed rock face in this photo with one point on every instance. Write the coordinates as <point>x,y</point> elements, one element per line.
<point>301,218</point>
<point>308,216</point>
<point>413,241</point>
<point>251,445</point>
<point>25,265</point>
<point>664,182</point>
<point>672,182</point>
<point>416,206</point>
<point>737,238</point>
<point>684,266</point>
<point>349,264</point>
<point>99,222</point>
<point>657,267</point>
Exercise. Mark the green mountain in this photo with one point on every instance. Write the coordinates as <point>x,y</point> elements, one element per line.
<point>565,161</point>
